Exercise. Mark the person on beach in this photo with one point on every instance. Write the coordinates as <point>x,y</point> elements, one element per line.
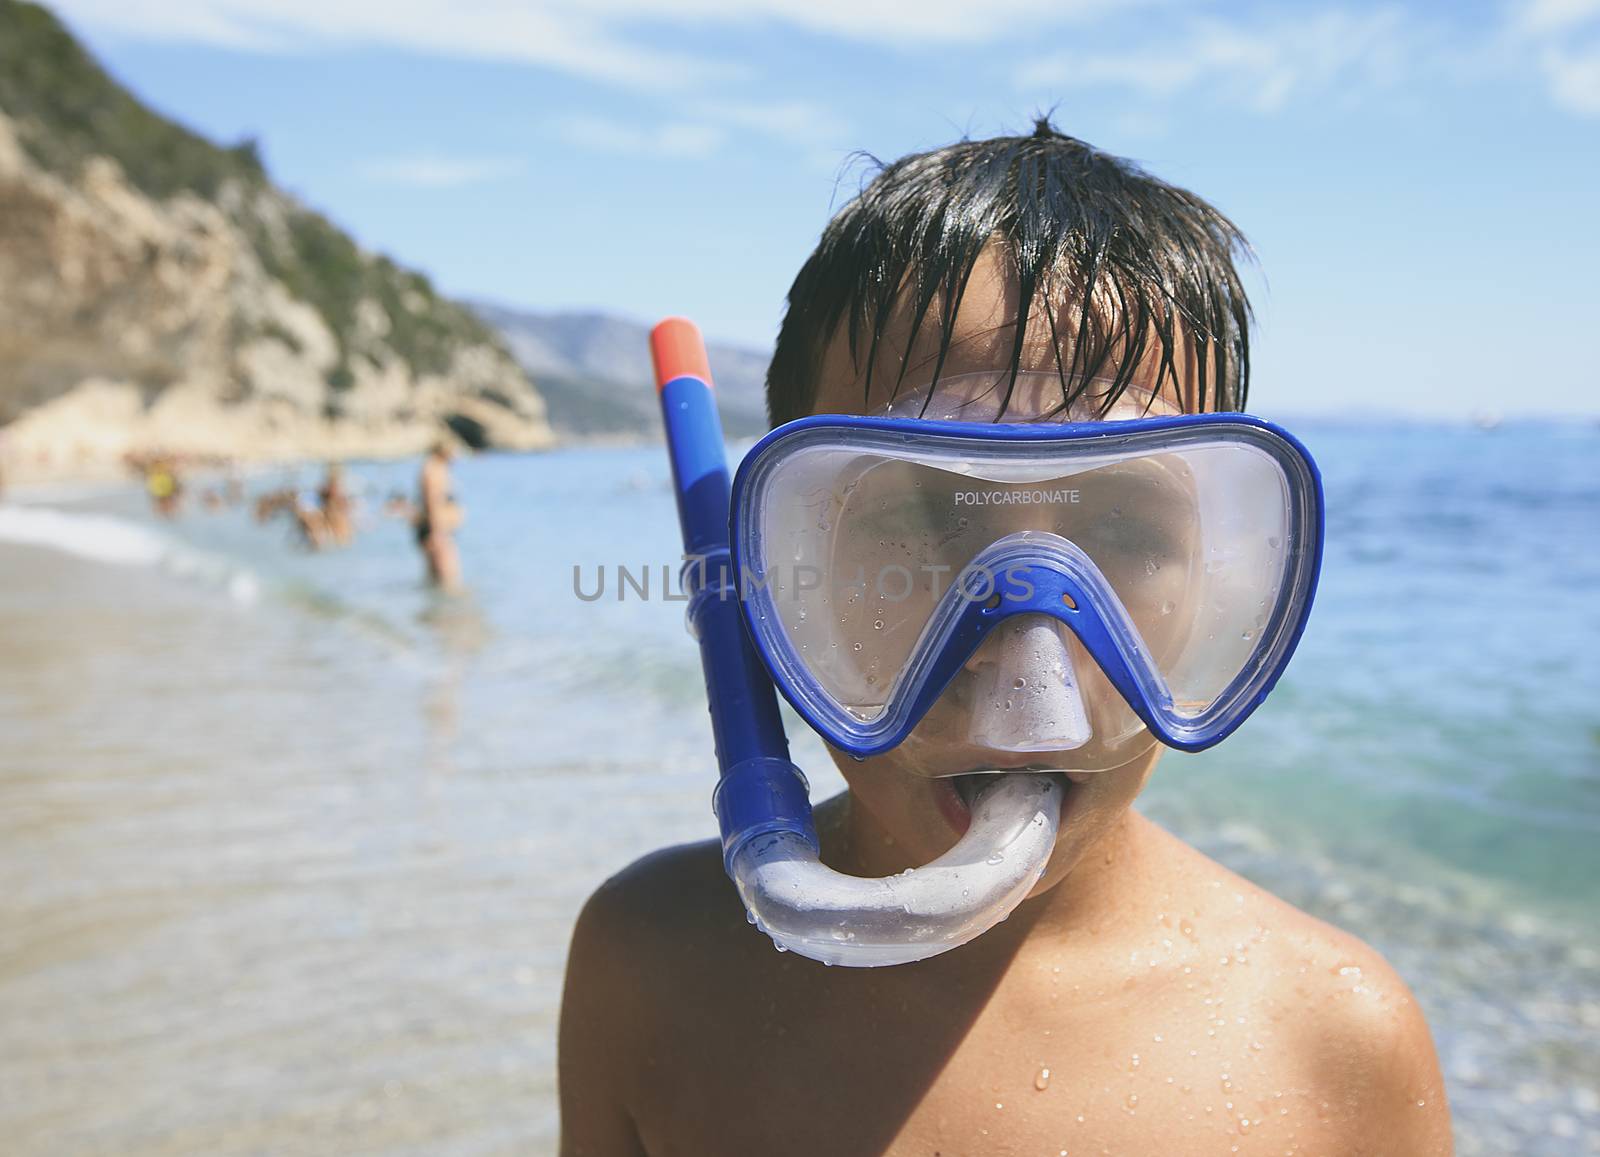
<point>1144,999</point>
<point>439,515</point>
<point>162,483</point>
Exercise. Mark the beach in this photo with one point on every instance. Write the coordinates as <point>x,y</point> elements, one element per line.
<point>291,847</point>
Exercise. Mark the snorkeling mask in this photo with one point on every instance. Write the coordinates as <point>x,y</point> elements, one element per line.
<point>1013,599</point>
<point>1079,591</point>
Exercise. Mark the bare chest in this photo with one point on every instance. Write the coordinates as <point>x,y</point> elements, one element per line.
<point>1035,1066</point>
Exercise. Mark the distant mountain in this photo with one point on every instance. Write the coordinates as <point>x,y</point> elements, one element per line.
<point>594,372</point>
<point>158,291</point>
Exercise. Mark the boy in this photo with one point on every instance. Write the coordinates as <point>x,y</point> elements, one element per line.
<point>1143,1000</point>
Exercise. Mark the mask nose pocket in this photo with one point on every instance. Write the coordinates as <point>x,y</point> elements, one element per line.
<point>1027,694</point>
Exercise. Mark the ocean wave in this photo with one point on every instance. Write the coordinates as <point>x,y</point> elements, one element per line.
<point>105,538</point>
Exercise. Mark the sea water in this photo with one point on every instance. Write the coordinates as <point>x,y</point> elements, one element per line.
<point>290,847</point>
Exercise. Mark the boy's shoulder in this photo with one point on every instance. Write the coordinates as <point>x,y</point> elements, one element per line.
<point>1330,999</point>
<point>666,924</point>
<point>1248,926</point>
<point>661,894</point>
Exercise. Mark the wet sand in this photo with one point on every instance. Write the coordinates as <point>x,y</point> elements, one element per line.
<point>277,915</point>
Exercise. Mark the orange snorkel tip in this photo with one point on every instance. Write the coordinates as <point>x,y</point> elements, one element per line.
<point>678,351</point>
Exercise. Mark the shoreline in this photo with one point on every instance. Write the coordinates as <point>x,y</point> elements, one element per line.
<point>21,480</point>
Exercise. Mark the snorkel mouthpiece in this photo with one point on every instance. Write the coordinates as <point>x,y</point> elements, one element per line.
<point>807,907</point>
<point>769,839</point>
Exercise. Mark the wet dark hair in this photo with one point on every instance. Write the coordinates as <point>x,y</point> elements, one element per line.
<point>1148,268</point>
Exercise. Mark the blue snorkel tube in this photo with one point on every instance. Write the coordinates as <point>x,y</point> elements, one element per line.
<point>762,800</point>
<point>760,791</point>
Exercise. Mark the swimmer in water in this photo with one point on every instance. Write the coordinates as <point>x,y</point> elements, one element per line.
<point>1143,999</point>
<point>439,515</point>
<point>164,487</point>
<point>335,506</point>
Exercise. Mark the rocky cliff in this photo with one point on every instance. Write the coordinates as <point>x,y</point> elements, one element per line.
<point>157,291</point>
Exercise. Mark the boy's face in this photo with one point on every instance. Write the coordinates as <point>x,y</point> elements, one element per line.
<point>910,791</point>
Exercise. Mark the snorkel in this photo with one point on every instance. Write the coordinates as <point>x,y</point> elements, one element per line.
<point>762,801</point>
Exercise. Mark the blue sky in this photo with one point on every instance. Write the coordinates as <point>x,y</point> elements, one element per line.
<point>1420,182</point>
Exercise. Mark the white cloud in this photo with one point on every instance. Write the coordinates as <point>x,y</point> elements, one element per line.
<point>1171,50</point>
<point>679,140</point>
<point>1564,38</point>
<point>797,122</point>
<point>566,35</point>
<point>1574,78</point>
<point>612,40</point>
<point>429,171</point>
<point>704,129</point>
<point>1262,66</point>
<point>1270,59</point>
<point>892,23</point>
<point>1543,17</point>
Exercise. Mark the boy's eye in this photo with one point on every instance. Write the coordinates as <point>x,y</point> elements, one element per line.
<point>898,516</point>
<point>1127,538</point>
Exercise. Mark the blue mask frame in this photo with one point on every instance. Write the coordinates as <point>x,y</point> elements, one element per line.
<point>1044,575</point>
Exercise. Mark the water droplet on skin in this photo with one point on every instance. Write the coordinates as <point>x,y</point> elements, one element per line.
<point>998,1105</point>
<point>1133,1101</point>
<point>856,647</point>
<point>1168,607</point>
<point>1244,1124</point>
<point>1041,1080</point>
<point>1274,541</point>
<point>877,625</point>
<point>802,614</point>
<point>997,858</point>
